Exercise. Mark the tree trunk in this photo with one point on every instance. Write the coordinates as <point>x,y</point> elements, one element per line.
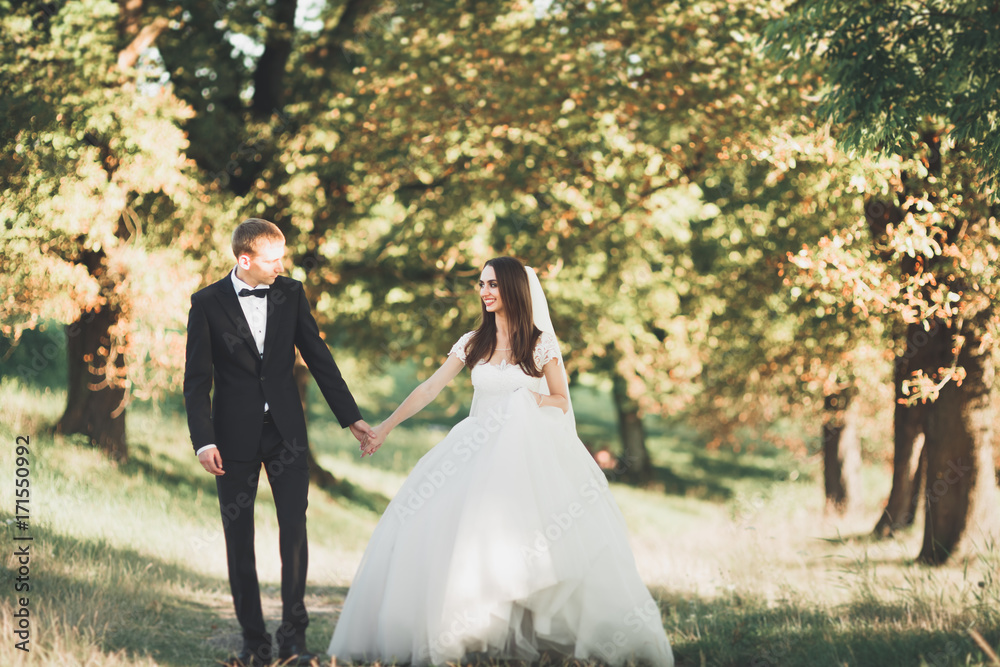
<point>635,465</point>
<point>909,463</point>
<point>841,451</point>
<point>269,78</point>
<point>909,460</point>
<point>95,403</point>
<point>331,47</point>
<point>961,487</point>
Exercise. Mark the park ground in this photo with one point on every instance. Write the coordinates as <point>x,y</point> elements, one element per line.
<point>127,562</point>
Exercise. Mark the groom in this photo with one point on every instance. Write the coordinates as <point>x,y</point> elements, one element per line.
<point>242,335</point>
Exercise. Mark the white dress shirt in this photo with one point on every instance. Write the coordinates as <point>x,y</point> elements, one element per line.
<point>255,310</point>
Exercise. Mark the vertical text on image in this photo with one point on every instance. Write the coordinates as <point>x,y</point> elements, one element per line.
<point>22,552</point>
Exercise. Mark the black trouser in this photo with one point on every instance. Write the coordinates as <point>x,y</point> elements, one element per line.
<point>287,471</point>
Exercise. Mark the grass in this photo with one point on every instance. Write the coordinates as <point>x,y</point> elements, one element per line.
<point>128,564</point>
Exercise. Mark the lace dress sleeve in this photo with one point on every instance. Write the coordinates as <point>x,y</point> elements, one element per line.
<point>546,349</point>
<point>458,349</point>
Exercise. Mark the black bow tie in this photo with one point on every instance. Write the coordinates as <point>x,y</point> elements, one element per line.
<point>254,292</point>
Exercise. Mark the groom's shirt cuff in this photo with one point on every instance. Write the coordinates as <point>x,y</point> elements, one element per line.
<point>198,453</point>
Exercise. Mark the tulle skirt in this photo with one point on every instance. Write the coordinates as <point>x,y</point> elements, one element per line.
<point>505,542</point>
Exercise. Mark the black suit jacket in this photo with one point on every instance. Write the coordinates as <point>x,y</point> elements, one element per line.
<point>221,351</point>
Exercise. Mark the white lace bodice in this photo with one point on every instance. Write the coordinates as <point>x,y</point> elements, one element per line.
<point>493,382</point>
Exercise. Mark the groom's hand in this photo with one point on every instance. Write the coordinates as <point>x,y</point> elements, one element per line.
<point>362,430</point>
<point>211,461</point>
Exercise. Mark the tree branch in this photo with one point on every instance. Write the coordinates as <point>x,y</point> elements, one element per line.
<point>128,56</point>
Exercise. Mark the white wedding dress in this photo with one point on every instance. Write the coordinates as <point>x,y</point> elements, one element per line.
<point>504,541</point>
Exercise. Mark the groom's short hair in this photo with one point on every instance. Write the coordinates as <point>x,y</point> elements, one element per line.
<point>252,231</point>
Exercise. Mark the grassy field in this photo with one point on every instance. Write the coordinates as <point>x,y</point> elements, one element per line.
<point>128,563</point>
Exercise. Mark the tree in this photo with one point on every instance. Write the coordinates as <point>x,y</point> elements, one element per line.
<point>911,79</point>
<point>583,140</point>
<point>891,65</point>
<point>368,187</point>
<point>101,210</point>
<point>781,352</point>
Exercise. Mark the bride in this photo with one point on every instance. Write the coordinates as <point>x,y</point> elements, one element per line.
<point>504,541</point>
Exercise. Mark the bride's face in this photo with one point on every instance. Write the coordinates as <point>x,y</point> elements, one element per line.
<point>489,290</point>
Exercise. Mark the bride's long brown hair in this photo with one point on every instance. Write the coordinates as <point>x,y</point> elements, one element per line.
<point>515,294</point>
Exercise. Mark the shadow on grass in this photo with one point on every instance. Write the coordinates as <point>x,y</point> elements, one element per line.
<point>344,489</point>
<point>711,476</point>
<point>143,461</point>
<point>91,595</point>
<point>690,487</point>
<point>733,631</point>
<point>733,466</point>
<point>121,600</point>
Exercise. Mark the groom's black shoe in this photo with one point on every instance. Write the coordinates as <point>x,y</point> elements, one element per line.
<point>296,654</point>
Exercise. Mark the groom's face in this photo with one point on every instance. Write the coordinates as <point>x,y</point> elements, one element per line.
<point>265,264</point>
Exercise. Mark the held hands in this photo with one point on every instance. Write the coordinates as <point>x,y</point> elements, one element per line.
<point>361,430</point>
<point>372,443</point>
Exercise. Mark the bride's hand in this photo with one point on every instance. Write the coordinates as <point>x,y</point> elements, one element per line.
<point>372,443</point>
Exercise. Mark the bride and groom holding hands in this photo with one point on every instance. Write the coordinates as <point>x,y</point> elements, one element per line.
<point>503,542</point>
